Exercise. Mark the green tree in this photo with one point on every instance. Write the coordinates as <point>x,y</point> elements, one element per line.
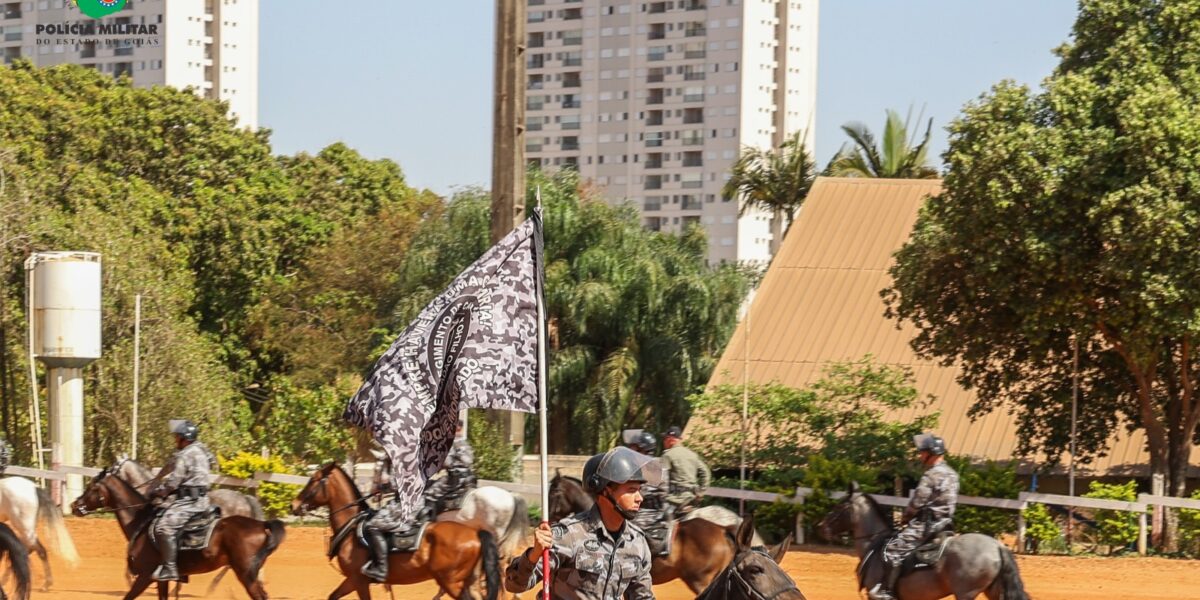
<point>1117,528</point>
<point>988,480</point>
<point>899,157</point>
<point>1073,214</point>
<point>775,180</point>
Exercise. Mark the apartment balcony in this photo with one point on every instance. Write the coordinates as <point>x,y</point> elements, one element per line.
<point>572,103</point>
<point>533,147</point>
<point>536,41</point>
<point>536,62</point>
<point>655,75</point>
<point>652,205</point>
<point>692,140</point>
<point>11,10</point>
<point>657,31</point>
<point>653,161</point>
<point>535,16</point>
<point>693,97</point>
<point>533,125</point>
<point>568,125</point>
<point>571,81</point>
<point>657,53</point>
<point>693,116</point>
<point>694,76</point>
<point>692,203</point>
<point>694,5</point>
<point>656,96</point>
<point>535,85</point>
<point>692,184</point>
<point>534,105</point>
<point>535,2</point>
<point>695,31</point>
<point>654,117</point>
<point>654,142</point>
<point>653,182</point>
<point>693,159</point>
<point>11,53</point>
<point>657,8</point>
<point>569,146</point>
<point>123,51</point>
<point>694,54</point>
<point>572,14</point>
<point>572,61</point>
<point>573,40</point>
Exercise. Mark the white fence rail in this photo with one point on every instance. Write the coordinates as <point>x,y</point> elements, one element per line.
<point>1141,506</point>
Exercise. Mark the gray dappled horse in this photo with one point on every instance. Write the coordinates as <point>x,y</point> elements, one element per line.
<point>754,573</point>
<point>972,564</point>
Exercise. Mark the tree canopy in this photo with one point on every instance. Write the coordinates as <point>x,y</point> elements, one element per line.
<point>1073,214</point>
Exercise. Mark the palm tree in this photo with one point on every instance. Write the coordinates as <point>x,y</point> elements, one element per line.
<point>775,180</point>
<point>898,158</point>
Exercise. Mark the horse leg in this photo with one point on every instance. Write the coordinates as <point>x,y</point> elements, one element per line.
<point>140,584</point>
<point>254,587</point>
<point>41,552</point>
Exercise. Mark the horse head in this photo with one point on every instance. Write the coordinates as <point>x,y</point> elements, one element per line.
<point>857,511</point>
<point>94,497</point>
<point>316,492</point>
<point>754,573</point>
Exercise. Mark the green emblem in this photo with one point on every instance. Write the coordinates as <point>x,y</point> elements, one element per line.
<point>98,9</point>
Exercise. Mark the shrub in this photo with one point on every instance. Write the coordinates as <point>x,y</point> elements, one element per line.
<point>776,520</point>
<point>276,498</point>
<point>989,480</point>
<point>1116,528</point>
<point>494,456</point>
<point>1189,528</point>
<point>1040,529</point>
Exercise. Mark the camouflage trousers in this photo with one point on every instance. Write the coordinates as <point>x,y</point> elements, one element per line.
<point>908,539</point>
<point>387,518</point>
<point>681,498</point>
<point>177,514</point>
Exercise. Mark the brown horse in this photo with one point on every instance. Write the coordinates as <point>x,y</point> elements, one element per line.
<point>240,543</point>
<point>450,552</point>
<point>700,549</point>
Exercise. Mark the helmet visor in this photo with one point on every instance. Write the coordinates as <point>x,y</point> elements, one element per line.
<point>622,465</point>
<point>178,425</point>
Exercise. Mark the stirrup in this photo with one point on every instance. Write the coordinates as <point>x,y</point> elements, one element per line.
<point>166,573</point>
<point>878,593</point>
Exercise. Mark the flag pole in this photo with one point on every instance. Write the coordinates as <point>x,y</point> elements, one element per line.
<point>541,385</point>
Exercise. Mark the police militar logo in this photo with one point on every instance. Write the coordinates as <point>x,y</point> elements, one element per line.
<point>98,9</point>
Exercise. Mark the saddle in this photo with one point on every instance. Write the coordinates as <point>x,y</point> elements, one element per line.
<point>927,555</point>
<point>659,537</point>
<point>197,532</point>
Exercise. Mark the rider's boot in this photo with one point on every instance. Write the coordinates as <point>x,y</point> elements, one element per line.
<point>168,549</point>
<point>377,543</point>
<point>886,589</point>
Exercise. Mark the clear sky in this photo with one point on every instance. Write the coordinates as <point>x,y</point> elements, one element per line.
<point>412,81</point>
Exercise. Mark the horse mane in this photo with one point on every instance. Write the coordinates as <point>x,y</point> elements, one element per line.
<point>334,466</point>
<point>879,510</point>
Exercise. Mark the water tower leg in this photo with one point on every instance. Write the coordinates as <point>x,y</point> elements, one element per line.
<point>66,428</point>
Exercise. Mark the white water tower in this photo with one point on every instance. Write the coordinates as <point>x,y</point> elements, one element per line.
<point>64,290</point>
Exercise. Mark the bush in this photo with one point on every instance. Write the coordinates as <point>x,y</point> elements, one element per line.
<point>276,498</point>
<point>494,456</point>
<point>825,476</point>
<point>775,520</point>
<point>990,480</point>
<point>1189,529</point>
<point>1115,528</point>
<point>1040,528</point>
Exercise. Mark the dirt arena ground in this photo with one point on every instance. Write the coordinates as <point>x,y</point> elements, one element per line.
<point>298,571</point>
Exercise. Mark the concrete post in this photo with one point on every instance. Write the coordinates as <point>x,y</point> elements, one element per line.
<point>66,429</point>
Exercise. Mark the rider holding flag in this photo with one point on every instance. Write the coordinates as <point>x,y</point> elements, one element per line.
<point>597,554</point>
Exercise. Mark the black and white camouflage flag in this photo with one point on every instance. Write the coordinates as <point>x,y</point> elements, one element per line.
<point>474,346</point>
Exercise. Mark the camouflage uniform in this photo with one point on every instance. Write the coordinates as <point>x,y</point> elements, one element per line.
<point>688,473</point>
<point>186,479</point>
<point>931,509</point>
<point>588,564</point>
<point>5,454</point>
<point>460,474</point>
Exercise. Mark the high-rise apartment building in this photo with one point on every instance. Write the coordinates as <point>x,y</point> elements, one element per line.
<point>209,45</point>
<point>652,101</point>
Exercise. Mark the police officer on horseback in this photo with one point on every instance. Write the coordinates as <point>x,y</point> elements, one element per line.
<point>656,511</point>
<point>597,554</point>
<point>929,512</point>
<point>689,475</point>
<point>184,483</point>
<point>386,521</point>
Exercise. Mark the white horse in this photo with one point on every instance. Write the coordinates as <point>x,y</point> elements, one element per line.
<point>22,505</point>
<point>498,511</point>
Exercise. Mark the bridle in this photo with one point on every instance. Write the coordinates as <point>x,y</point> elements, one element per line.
<point>731,580</point>
<point>85,511</point>
<point>845,507</point>
<point>312,491</point>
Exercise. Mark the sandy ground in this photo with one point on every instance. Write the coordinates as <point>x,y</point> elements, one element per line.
<point>298,571</point>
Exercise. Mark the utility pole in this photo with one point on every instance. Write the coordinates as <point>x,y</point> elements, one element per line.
<point>508,152</point>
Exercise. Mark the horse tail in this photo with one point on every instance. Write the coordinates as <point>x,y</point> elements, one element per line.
<point>1008,584</point>
<point>490,558</point>
<point>517,529</point>
<point>60,538</point>
<point>275,535</point>
<point>18,556</point>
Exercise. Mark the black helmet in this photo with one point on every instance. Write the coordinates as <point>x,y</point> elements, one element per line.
<point>645,442</point>
<point>184,429</point>
<point>619,465</point>
<point>927,442</point>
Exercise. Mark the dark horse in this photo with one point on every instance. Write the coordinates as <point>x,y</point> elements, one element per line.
<point>699,549</point>
<point>18,556</point>
<point>450,552</point>
<point>754,573</point>
<point>972,563</point>
<point>240,543</point>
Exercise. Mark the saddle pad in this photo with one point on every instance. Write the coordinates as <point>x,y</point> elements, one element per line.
<point>927,555</point>
<point>409,541</point>
<point>197,532</point>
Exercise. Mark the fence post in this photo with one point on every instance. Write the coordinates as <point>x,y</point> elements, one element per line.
<point>1020,532</point>
<point>1141,541</point>
<point>798,534</point>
